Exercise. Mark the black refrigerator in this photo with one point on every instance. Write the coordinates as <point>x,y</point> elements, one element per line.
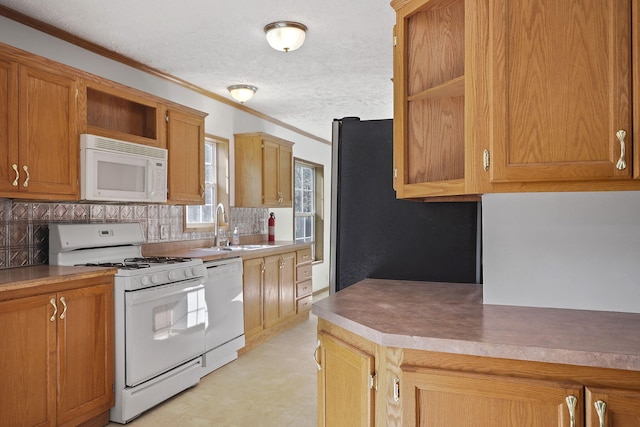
<point>375,235</point>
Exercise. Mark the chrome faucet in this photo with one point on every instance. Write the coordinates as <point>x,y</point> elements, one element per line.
<point>220,208</point>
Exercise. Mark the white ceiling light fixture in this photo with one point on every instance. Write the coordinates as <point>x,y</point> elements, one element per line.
<point>242,93</point>
<point>285,35</point>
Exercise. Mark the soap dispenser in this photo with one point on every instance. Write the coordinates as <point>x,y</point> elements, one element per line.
<point>236,236</point>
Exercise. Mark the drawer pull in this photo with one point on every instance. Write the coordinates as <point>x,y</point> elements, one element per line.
<point>64,311</point>
<point>601,408</point>
<point>622,163</point>
<point>55,309</point>
<point>26,181</point>
<point>15,181</point>
<point>315,355</point>
<point>572,401</point>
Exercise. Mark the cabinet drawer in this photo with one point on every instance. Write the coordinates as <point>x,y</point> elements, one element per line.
<point>304,304</point>
<point>304,288</point>
<point>303,255</point>
<point>303,272</point>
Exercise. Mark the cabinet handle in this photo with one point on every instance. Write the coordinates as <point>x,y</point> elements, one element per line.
<point>486,160</point>
<point>202,191</point>
<point>15,168</point>
<point>64,311</point>
<point>396,389</point>
<point>622,163</point>
<point>26,181</point>
<point>281,262</point>
<point>262,268</point>
<point>601,408</point>
<point>315,355</point>
<point>55,309</point>
<point>572,401</point>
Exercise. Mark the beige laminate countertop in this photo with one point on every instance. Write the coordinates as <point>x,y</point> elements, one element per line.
<point>37,279</point>
<point>206,254</point>
<point>451,318</point>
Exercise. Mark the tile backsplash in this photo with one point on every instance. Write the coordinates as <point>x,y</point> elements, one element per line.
<point>24,227</point>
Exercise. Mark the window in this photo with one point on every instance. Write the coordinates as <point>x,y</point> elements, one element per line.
<point>308,205</point>
<point>216,182</point>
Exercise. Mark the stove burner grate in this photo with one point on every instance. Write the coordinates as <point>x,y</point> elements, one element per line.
<point>158,260</point>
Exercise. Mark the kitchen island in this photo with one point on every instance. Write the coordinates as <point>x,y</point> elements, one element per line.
<point>426,346</point>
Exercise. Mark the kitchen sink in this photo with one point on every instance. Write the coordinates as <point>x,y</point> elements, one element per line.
<point>236,248</point>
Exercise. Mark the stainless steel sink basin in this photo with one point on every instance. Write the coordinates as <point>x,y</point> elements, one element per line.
<point>236,248</point>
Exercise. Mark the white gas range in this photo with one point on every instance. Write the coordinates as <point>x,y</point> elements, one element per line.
<point>160,312</point>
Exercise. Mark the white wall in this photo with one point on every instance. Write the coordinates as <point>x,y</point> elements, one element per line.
<point>223,120</point>
<point>563,250</point>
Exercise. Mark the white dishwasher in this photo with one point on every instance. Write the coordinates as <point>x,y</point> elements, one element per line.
<point>224,333</point>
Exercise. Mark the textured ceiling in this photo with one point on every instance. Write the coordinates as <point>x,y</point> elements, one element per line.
<point>343,69</point>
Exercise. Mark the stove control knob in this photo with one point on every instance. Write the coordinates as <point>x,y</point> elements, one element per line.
<point>155,278</point>
<point>188,272</point>
<point>174,275</point>
<point>145,280</point>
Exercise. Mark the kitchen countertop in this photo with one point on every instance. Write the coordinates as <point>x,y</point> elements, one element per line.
<point>451,318</point>
<point>206,254</point>
<point>23,281</point>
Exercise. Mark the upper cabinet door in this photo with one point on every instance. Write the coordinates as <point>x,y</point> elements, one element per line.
<point>48,135</point>
<point>8,125</point>
<point>185,141</point>
<point>560,90</point>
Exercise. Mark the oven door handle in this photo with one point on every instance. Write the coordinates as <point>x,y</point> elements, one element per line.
<point>163,291</point>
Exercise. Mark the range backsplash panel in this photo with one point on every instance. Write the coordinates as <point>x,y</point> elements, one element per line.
<point>24,227</point>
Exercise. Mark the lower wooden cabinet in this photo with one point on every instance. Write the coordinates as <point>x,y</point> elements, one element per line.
<point>612,407</point>
<point>448,398</point>
<point>269,294</point>
<point>59,370</point>
<point>279,288</point>
<point>346,377</point>
<point>361,383</point>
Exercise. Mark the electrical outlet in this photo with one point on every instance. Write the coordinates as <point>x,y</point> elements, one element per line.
<point>164,232</point>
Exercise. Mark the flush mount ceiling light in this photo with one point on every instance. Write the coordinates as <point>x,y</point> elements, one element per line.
<point>242,93</point>
<point>285,35</point>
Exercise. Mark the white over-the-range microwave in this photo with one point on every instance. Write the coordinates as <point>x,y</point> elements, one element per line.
<point>120,171</point>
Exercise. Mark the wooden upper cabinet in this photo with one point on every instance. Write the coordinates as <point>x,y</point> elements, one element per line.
<point>185,142</point>
<point>561,90</point>
<point>429,98</point>
<point>122,113</point>
<point>264,171</point>
<point>39,136</point>
<point>503,96</point>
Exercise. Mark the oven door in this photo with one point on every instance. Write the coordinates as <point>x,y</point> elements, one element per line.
<point>164,327</point>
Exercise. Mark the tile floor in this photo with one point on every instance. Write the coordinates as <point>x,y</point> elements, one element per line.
<point>273,385</point>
